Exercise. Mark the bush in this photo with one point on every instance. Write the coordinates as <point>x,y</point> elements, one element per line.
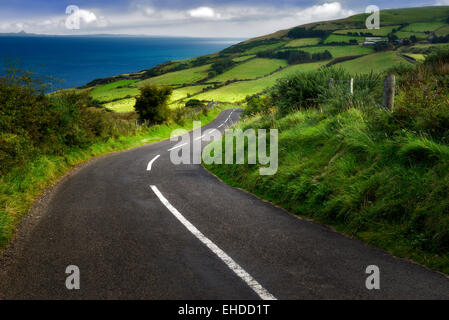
<point>222,65</point>
<point>152,104</point>
<point>304,90</point>
<point>194,103</point>
<point>255,105</point>
<point>33,123</point>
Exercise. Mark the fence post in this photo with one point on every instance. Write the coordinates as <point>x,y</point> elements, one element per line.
<point>389,89</point>
<point>351,86</point>
<point>331,84</point>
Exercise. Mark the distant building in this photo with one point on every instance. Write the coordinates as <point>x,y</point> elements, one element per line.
<point>372,41</point>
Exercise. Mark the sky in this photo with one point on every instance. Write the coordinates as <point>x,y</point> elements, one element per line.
<point>205,18</point>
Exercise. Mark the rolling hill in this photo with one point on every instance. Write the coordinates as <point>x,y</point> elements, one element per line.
<point>252,66</point>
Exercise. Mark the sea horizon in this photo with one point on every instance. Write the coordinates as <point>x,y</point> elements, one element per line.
<point>80,59</point>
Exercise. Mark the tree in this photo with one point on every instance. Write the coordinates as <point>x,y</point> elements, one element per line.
<point>152,103</point>
<point>222,65</point>
<point>194,103</point>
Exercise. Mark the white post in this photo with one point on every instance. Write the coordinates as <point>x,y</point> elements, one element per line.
<point>351,86</point>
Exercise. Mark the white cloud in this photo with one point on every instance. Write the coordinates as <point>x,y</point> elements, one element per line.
<point>442,3</point>
<point>203,12</point>
<point>326,11</point>
<point>220,21</point>
<point>87,16</point>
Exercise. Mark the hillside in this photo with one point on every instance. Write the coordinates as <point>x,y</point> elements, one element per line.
<point>254,65</point>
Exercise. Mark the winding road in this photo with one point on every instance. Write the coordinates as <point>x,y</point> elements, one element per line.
<point>140,227</point>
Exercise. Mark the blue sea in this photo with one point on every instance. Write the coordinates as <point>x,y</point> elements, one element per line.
<point>80,59</point>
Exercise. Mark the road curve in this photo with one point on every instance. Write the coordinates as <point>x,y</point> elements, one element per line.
<point>139,227</point>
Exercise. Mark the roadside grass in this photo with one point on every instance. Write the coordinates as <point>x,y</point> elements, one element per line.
<point>303,42</point>
<point>340,51</point>
<point>252,69</point>
<point>423,26</point>
<point>342,38</point>
<point>383,31</point>
<point>377,62</point>
<point>238,91</point>
<point>187,76</point>
<point>20,187</point>
<point>335,170</point>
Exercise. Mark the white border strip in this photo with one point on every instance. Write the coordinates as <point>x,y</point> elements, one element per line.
<point>245,276</point>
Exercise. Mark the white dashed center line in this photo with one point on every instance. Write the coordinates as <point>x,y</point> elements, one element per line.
<point>234,266</point>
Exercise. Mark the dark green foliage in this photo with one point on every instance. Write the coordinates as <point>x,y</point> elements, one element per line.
<point>296,56</point>
<point>152,104</point>
<point>32,123</point>
<point>383,46</point>
<point>304,89</point>
<point>222,65</point>
<point>201,61</point>
<point>442,39</point>
<point>256,105</point>
<point>194,103</point>
<point>302,32</point>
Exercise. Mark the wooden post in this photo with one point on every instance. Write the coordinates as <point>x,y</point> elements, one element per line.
<point>331,84</point>
<point>389,90</point>
<point>351,86</point>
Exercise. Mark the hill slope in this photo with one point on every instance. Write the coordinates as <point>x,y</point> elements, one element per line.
<point>252,66</point>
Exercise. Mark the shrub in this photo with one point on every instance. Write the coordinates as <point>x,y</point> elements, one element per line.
<point>194,103</point>
<point>303,90</point>
<point>152,104</point>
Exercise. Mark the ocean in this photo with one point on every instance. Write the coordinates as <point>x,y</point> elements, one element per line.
<point>78,60</point>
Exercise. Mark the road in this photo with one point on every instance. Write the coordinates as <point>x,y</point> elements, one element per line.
<point>140,227</point>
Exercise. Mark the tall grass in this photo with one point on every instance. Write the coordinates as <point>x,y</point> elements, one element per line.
<point>378,175</point>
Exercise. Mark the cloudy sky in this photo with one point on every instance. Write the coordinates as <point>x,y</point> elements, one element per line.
<point>204,18</point>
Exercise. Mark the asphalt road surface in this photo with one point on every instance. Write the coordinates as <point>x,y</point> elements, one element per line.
<point>139,227</point>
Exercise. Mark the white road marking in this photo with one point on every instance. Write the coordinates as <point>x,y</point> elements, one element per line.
<point>207,132</point>
<point>152,161</point>
<point>177,147</point>
<point>238,270</point>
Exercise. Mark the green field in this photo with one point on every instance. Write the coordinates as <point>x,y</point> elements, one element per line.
<point>340,51</point>
<point>423,27</point>
<point>383,31</point>
<point>417,56</point>
<point>182,93</point>
<point>239,90</point>
<point>116,90</point>
<point>124,105</point>
<point>264,48</point>
<point>376,62</point>
<point>341,38</point>
<point>303,42</point>
<point>443,31</point>
<point>407,35</point>
<point>252,69</point>
<point>244,58</point>
<point>187,76</point>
